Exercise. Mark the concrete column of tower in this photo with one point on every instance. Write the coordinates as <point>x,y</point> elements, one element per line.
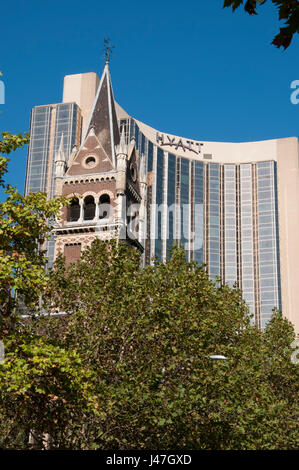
<point>121,219</point>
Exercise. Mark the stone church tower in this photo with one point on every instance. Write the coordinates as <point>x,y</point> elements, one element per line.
<point>103,180</point>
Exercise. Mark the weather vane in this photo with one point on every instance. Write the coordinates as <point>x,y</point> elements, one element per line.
<point>107,49</point>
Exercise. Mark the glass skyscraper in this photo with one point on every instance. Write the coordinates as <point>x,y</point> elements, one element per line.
<point>233,206</point>
<point>48,123</point>
<point>225,215</point>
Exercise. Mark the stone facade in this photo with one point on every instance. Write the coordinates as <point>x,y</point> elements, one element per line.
<point>103,182</point>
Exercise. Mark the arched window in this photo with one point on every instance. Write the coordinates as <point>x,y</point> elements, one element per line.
<point>89,208</point>
<point>104,207</point>
<point>73,212</point>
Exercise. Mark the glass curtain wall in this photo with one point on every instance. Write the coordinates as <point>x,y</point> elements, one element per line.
<point>41,156</point>
<point>38,153</point>
<point>170,202</point>
<point>198,212</point>
<point>268,240</point>
<point>230,225</point>
<point>159,201</point>
<point>214,220</point>
<point>247,245</point>
<point>240,221</point>
<point>66,122</point>
<point>185,206</point>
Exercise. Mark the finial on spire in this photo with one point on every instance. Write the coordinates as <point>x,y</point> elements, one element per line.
<point>91,131</point>
<point>61,145</point>
<point>122,148</point>
<point>60,155</point>
<point>60,160</point>
<point>107,50</point>
<point>122,137</point>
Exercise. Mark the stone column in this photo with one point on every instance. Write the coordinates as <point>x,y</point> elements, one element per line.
<point>97,211</point>
<point>81,202</point>
<point>121,218</point>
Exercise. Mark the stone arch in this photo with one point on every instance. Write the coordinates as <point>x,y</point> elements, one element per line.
<point>73,210</point>
<point>104,206</point>
<point>90,193</point>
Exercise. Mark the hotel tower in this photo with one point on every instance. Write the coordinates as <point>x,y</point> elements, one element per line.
<point>233,206</point>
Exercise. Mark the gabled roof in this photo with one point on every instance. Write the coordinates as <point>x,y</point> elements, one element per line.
<point>99,160</point>
<point>103,117</point>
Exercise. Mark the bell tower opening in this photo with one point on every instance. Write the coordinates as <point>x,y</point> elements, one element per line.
<point>73,213</point>
<point>89,208</point>
<point>104,207</point>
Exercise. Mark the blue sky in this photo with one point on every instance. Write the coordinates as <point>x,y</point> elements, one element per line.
<point>187,68</point>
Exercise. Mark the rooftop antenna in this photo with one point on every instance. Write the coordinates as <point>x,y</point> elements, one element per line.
<point>108,50</point>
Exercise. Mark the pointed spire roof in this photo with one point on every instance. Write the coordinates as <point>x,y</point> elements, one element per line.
<point>60,155</point>
<point>103,119</point>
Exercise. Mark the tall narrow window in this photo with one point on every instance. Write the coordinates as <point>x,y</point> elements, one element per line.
<point>104,206</point>
<point>73,213</point>
<point>89,208</point>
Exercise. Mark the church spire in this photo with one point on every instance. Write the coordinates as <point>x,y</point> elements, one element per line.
<point>122,147</point>
<point>103,117</point>
<point>60,159</point>
<point>60,155</point>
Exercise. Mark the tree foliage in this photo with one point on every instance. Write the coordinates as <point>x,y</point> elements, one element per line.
<point>41,383</point>
<point>288,11</point>
<point>24,228</point>
<point>148,334</point>
<point>128,364</point>
<point>43,387</point>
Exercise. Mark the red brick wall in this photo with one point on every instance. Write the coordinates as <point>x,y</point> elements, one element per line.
<point>81,188</point>
<point>72,252</point>
<point>92,147</point>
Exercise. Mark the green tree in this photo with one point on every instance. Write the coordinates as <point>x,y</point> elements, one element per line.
<point>43,388</point>
<point>129,366</point>
<point>149,334</point>
<point>41,383</point>
<point>288,11</point>
<point>24,228</point>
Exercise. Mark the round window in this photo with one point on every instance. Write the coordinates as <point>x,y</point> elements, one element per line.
<point>90,162</point>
